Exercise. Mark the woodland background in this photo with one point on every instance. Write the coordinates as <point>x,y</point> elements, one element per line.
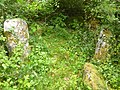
<point>63,36</point>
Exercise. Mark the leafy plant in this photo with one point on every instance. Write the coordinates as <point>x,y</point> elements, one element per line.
<point>61,42</point>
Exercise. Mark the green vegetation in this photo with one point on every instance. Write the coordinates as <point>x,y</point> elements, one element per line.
<point>63,36</point>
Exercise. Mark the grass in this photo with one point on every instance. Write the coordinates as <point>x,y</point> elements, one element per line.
<point>65,67</point>
<point>55,63</point>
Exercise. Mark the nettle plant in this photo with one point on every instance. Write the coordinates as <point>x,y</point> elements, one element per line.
<point>105,11</point>
<point>19,74</point>
<point>16,74</point>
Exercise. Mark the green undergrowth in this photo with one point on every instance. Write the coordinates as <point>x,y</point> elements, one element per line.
<point>64,63</point>
<point>55,62</point>
<point>63,36</point>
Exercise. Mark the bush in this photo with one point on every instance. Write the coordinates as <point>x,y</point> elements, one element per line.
<point>61,42</point>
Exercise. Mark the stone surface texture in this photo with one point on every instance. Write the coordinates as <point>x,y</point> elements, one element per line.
<point>92,78</point>
<point>102,45</point>
<point>16,32</point>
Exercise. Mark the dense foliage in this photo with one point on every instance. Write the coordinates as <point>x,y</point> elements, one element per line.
<point>63,36</point>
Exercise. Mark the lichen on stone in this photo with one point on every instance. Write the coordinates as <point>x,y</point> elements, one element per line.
<point>16,32</point>
<point>102,46</point>
<point>93,78</point>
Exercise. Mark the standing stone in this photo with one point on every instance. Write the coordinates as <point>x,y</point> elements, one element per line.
<point>102,46</point>
<point>92,78</point>
<point>16,32</point>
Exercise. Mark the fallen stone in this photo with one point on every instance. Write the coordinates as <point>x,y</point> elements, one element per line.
<point>93,78</point>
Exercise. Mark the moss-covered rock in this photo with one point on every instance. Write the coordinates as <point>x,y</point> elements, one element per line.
<point>16,33</point>
<point>93,78</point>
<point>102,46</point>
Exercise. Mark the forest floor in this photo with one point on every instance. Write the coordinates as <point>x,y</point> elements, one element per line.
<point>65,67</point>
<point>63,55</point>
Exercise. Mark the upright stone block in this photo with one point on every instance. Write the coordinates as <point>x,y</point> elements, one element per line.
<point>102,46</point>
<point>16,32</point>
